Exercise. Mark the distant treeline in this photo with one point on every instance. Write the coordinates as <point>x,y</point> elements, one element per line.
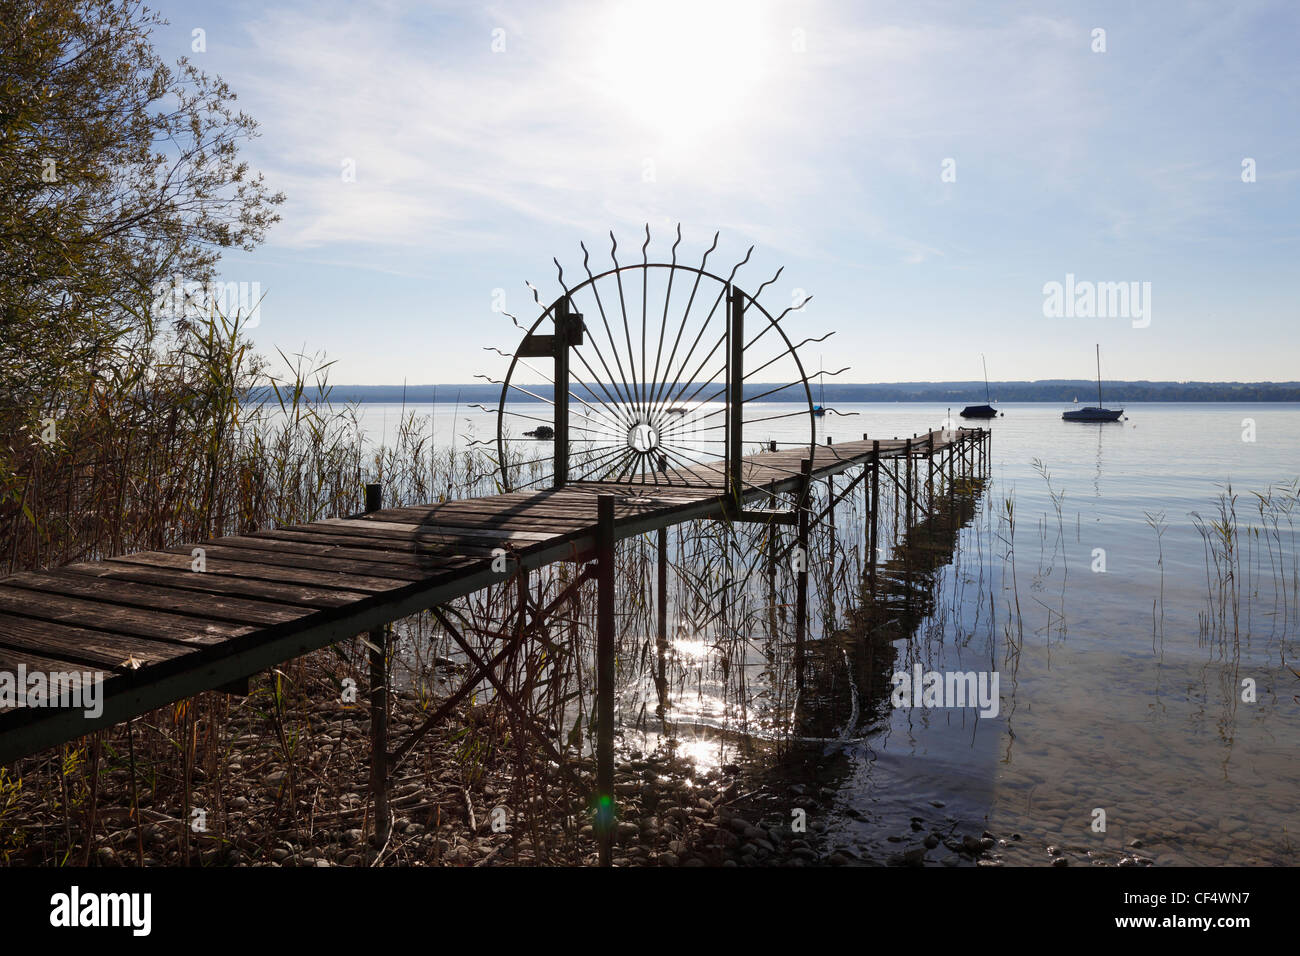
<point>958,393</point>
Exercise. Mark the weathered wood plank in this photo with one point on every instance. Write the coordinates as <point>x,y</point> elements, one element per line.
<point>453,531</point>
<point>149,597</point>
<point>342,581</point>
<point>125,620</point>
<point>13,660</point>
<point>381,542</point>
<point>85,645</point>
<point>486,518</point>
<point>207,583</point>
<point>388,562</point>
<point>579,510</point>
<point>580,499</point>
<point>271,557</point>
<point>658,495</point>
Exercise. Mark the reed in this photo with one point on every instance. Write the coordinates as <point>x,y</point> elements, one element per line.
<point>1247,561</point>
<point>1157,524</point>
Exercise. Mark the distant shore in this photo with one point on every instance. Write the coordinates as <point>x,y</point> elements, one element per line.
<point>954,393</point>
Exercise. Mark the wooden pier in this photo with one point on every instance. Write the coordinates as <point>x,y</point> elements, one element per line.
<point>162,626</point>
<point>159,630</point>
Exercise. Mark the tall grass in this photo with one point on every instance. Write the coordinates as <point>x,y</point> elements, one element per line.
<point>187,435</point>
<point>1244,557</point>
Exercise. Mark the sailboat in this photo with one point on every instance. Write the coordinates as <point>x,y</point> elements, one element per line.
<point>820,408</point>
<point>1090,414</point>
<point>981,411</point>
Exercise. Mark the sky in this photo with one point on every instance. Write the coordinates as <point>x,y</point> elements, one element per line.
<point>925,170</point>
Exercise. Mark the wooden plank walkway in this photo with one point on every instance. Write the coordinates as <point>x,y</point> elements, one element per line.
<point>160,631</point>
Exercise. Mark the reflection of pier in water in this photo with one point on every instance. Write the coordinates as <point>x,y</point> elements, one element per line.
<point>847,682</point>
<point>909,508</point>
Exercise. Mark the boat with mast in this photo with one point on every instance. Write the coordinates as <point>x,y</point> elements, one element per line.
<point>1090,414</point>
<point>819,409</point>
<point>986,410</point>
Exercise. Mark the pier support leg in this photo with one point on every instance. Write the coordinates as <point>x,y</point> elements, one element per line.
<point>379,735</point>
<point>908,485</point>
<point>773,543</point>
<point>896,474</point>
<point>830,512</point>
<point>873,546</point>
<point>866,505</point>
<point>952,501</point>
<point>735,395</point>
<point>929,474</point>
<point>828,616</point>
<point>378,640</point>
<point>801,574</point>
<point>604,819</point>
<point>661,635</point>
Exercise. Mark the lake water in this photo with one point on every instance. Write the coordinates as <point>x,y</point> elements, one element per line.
<point>1125,697</point>
<point>1119,701</point>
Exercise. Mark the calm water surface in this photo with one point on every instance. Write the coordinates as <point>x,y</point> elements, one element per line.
<point>1119,699</point>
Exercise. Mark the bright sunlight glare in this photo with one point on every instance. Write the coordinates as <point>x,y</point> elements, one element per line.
<point>677,69</point>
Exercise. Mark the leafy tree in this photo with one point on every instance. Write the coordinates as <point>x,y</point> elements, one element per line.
<point>119,172</point>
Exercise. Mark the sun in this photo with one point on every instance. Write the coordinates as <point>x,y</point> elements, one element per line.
<point>676,69</point>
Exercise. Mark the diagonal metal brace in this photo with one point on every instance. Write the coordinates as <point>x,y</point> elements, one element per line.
<point>539,618</point>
